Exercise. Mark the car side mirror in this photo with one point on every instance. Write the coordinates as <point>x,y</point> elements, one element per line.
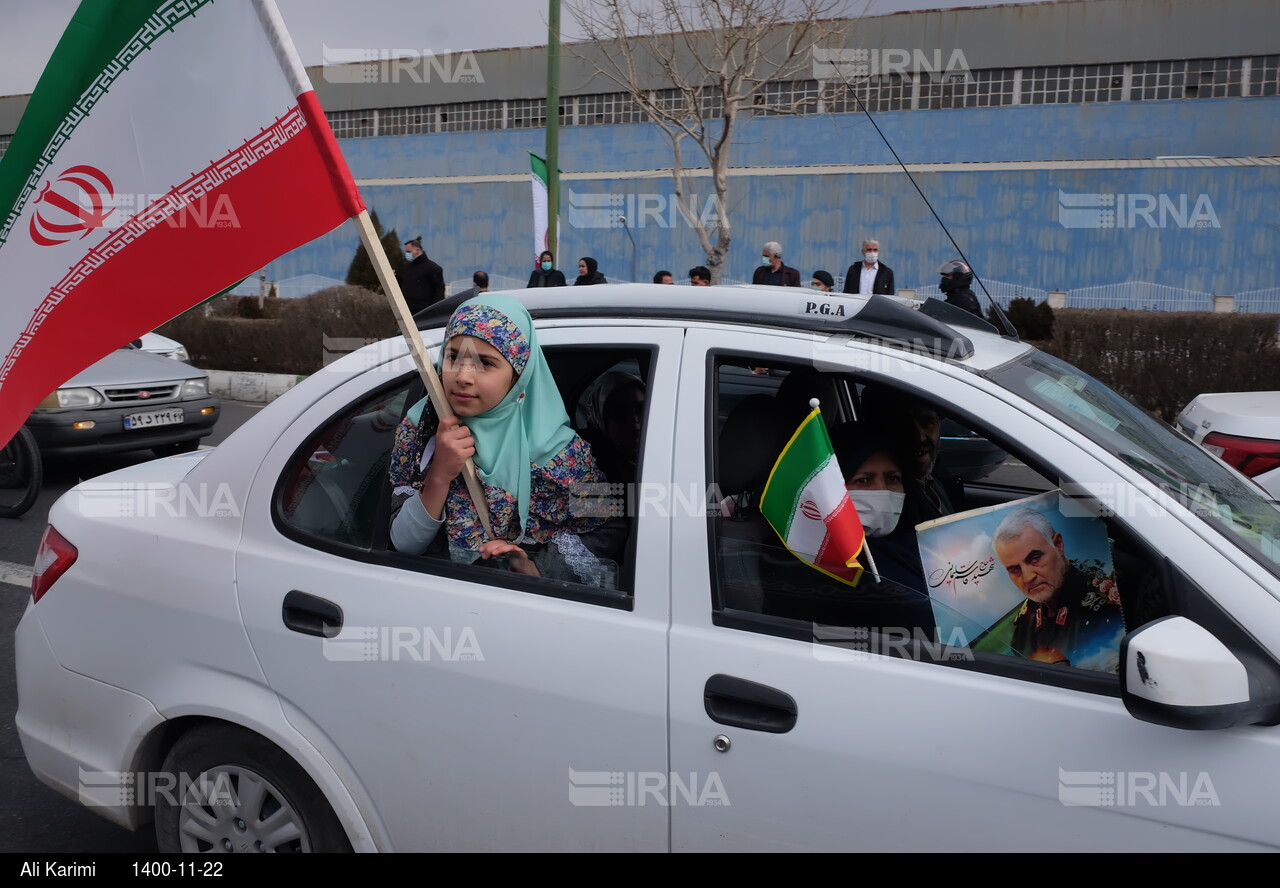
<point>1174,672</point>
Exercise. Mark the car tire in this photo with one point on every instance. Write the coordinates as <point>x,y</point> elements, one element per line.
<point>234,791</point>
<point>178,447</point>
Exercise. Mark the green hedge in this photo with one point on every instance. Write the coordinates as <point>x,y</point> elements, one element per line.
<point>284,335</point>
<point>1161,360</point>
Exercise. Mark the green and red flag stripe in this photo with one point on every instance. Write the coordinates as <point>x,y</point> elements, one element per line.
<point>150,172</point>
<point>806,502</point>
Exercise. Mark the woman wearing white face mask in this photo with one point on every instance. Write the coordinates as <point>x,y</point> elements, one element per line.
<point>874,477</point>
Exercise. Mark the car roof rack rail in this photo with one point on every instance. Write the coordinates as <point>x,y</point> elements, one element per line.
<point>882,318</point>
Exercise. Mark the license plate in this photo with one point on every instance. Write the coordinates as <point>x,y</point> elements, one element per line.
<point>153,418</point>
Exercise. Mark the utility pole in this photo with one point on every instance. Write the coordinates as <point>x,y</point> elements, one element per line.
<point>553,128</point>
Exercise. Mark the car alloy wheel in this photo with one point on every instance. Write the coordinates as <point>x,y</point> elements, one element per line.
<point>234,792</point>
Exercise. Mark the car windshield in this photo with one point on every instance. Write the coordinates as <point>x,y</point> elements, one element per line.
<point>1238,509</point>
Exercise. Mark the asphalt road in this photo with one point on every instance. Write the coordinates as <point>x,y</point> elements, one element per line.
<point>35,819</point>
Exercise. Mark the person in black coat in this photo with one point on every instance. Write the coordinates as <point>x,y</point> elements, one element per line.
<point>546,274</point>
<point>956,278</point>
<point>772,271</point>
<point>881,283</point>
<point>589,273</point>
<point>421,281</point>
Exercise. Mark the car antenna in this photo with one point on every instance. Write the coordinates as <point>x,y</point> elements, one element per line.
<point>1010,330</point>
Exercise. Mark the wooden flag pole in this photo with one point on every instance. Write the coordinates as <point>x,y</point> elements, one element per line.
<point>435,391</point>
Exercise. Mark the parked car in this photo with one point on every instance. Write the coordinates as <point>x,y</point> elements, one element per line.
<point>280,678</point>
<point>163,346</point>
<point>129,400</point>
<point>1242,428</point>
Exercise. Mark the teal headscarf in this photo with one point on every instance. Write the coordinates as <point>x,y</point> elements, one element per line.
<point>529,426</point>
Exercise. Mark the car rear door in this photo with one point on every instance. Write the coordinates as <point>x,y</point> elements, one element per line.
<point>467,710</point>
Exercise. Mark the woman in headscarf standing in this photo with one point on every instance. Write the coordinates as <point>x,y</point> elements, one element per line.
<point>589,272</point>
<point>545,273</point>
<point>505,412</point>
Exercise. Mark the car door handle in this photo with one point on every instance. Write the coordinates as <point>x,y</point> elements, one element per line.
<point>310,615</point>
<point>746,704</point>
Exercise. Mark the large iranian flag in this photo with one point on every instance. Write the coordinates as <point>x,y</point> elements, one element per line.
<point>541,206</point>
<point>171,148</point>
<point>806,502</point>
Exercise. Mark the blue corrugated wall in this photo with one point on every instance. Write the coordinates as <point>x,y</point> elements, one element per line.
<point>1006,221</point>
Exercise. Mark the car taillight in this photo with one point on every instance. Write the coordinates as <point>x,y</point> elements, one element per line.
<point>52,560</point>
<point>1249,456</point>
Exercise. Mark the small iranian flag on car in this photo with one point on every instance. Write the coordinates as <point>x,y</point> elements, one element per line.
<point>152,171</point>
<point>806,502</point>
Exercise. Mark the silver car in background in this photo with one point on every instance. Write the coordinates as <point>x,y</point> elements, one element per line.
<point>129,400</point>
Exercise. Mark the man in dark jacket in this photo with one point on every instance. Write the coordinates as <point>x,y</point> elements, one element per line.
<point>421,281</point>
<point>480,284</point>
<point>870,276</point>
<point>772,271</point>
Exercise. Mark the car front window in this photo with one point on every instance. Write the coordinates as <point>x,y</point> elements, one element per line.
<point>1232,505</point>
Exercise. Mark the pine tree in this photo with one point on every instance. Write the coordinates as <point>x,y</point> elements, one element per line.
<point>361,273</point>
<point>394,248</point>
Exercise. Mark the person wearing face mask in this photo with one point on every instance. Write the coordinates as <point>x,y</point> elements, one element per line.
<point>956,278</point>
<point>873,471</point>
<point>870,276</point>
<point>546,274</point>
<point>822,281</point>
<point>772,271</point>
<point>421,281</point>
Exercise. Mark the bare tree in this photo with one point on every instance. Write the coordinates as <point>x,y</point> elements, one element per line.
<point>694,67</point>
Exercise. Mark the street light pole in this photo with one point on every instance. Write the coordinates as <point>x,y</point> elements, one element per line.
<point>553,127</point>
<point>623,220</point>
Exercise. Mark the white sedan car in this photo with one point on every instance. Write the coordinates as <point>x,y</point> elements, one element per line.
<point>1242,428</point>
<point>226,643</point>
<point>164,346</point>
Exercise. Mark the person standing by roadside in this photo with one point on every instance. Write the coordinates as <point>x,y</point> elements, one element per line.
<point>771,271</point>
<point>870,275</point>
<point>546,274</point>
<point>479,284</point>
<point>589,273</point>
<point>663,277</point>
<point>700,276</point>
<point>421,281</point>
<point>822,281</point>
